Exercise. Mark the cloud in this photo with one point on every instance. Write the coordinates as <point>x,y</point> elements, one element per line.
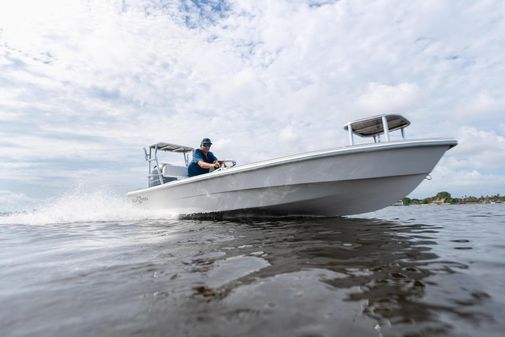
<point>288,135</point>
<point>478,149</point>
<point>15,165</point>
<point>380,98</point>
<point>84,85</point>
<point>9,198</point>
<point>460,183</point>
<point>483,104</point>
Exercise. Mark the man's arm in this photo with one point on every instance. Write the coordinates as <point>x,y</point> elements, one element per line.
<point>205,165</point>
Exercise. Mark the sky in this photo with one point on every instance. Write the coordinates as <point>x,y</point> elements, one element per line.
<point>84,85</point>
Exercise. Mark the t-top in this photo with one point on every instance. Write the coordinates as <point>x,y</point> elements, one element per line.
<point>194,169</point>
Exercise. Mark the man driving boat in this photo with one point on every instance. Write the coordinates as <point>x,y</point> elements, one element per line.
<point>203,160</point>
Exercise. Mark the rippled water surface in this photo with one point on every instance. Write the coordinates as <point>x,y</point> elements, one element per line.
<point>403,271</point>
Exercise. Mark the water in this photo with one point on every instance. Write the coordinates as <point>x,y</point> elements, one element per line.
<point>96,267</point>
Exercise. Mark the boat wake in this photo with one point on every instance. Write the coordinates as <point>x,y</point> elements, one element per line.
<point>84,206</point>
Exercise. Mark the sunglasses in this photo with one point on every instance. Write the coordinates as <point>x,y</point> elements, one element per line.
<point>207,144</point>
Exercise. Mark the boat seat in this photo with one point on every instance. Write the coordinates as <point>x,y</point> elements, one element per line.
<point>173,171</point>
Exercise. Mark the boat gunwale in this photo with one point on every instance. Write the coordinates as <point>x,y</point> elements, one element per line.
<point>349,149</point>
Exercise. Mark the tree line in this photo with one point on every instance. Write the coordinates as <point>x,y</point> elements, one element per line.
<point>446,198</point>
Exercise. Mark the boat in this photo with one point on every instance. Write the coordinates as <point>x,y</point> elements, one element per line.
<point>354,179</point>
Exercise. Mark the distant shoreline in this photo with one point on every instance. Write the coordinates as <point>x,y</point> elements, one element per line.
<point>445,198</point>
<point>400,203</point>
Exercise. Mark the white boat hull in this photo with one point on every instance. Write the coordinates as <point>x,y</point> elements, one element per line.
<point>344,181</point>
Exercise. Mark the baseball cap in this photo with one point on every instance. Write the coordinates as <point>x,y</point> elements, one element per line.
<point>206,141</point>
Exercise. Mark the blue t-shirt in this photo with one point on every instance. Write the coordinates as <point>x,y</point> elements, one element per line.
<point>194,169</point>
